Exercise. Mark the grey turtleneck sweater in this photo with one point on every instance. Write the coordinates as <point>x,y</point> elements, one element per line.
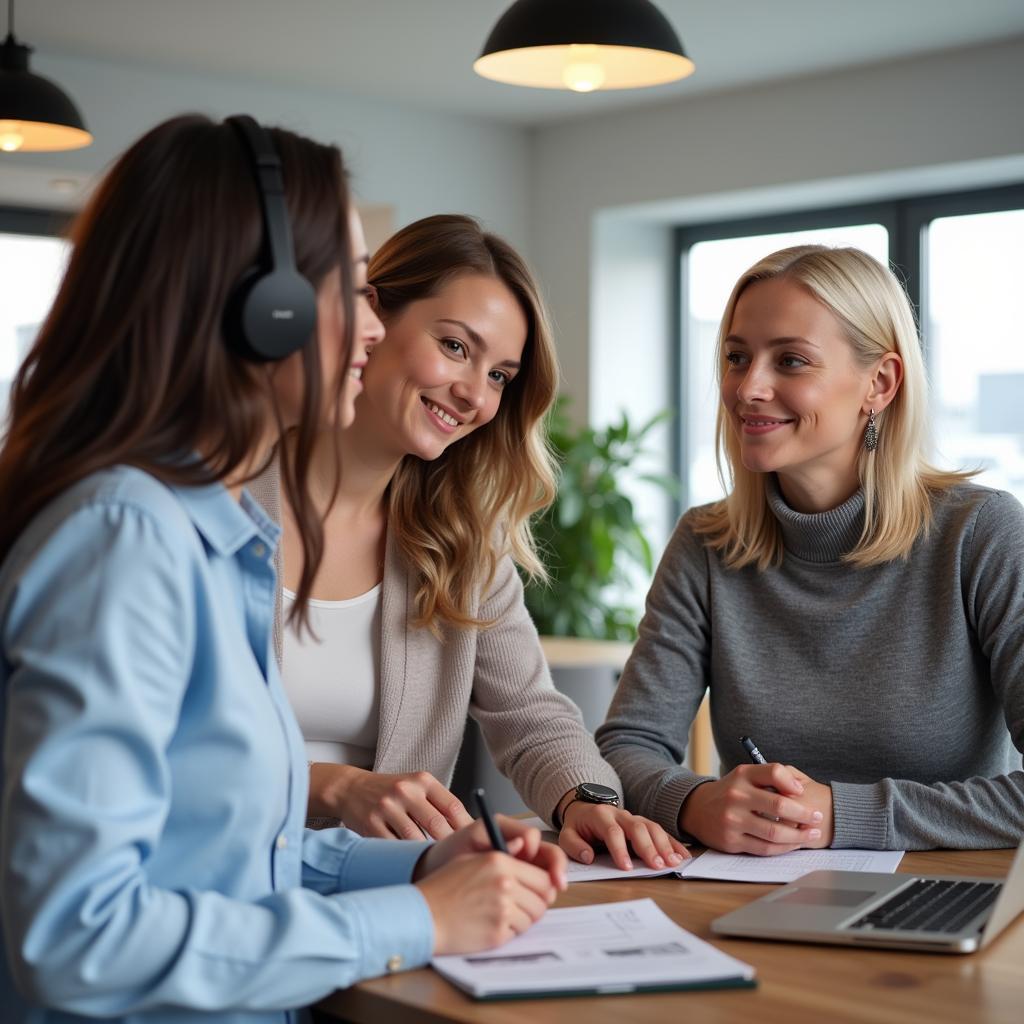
<point>901,685</point>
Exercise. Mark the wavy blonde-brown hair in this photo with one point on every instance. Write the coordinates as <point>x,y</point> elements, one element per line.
<point>453,518</point>
<point>897,479</point>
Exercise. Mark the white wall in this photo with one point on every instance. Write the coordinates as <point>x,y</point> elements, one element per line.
<point>944,121</point>
<point>419,162</point>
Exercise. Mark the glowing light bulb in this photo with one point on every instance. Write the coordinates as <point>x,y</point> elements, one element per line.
<point>584,71</point>
<point>583,77</point>
<point>11,138</point>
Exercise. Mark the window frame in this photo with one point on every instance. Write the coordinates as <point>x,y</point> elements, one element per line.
<point>35,220</point>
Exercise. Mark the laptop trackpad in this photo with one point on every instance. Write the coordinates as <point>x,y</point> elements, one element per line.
<point>819,897</point>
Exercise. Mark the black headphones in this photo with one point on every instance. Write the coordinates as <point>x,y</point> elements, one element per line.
<point>271,312</point>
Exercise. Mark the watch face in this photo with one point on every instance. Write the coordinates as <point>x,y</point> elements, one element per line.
<point>597,794</point>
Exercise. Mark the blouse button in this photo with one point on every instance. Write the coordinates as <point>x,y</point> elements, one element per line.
<point>259,549</point>
<point>395,963</point>
<point>282,841</point>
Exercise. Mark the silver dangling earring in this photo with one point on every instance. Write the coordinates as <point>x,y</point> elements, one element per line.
<point>871,433</point>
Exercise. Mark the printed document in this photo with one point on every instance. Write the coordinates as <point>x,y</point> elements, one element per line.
<point>606,948</point>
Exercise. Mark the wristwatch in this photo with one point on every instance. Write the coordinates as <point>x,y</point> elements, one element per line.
<point>590,793</point>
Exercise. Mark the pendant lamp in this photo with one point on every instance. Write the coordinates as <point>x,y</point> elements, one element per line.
<point>35,114</point>
<point>583,45</point>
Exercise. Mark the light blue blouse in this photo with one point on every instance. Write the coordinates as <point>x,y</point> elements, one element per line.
<point>154,862</point>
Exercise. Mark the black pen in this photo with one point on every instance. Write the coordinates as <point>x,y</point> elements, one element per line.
<point>493,832</point>
<point>756,757</point>
<point>753,753</point>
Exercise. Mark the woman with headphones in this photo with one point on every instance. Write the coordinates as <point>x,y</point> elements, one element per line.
<point>153,855</point>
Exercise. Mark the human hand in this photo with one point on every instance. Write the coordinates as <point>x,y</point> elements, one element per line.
<point>479,898</point>
<point>523,842</point>
<point>756,808</point>
<point>818,796</point>
<point>402,806</point>
<point>585,824</point>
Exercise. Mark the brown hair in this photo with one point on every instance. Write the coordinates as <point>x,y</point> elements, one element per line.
<point>131,367</point>
<point>454,517</point>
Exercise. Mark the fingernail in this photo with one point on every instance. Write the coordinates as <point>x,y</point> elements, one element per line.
<point>674,858</point>
<point>816,816</point>
<point>629,864</point>
<point>815,833</point>
<point>586,855</point>
<point>799,788</point>
<point>658,862</point>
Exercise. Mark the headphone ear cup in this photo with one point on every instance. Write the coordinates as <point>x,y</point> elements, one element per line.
<point>270,315</point>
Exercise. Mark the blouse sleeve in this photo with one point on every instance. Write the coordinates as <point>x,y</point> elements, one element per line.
<point>97,639</point>
<point>647,730</point>
<point>535,734</point>
<point>975,813</point>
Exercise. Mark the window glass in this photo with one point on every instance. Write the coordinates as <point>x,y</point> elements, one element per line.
<point>975,344</point>
<point>31,269</point>
<point>714,267</point>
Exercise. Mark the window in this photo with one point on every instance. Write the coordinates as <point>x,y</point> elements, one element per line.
<point>32,262</point>
<point>975,340</point>
<point>960,257</point>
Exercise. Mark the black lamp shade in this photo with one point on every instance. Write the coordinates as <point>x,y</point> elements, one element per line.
<point>35,114</point>
<point>583,45</point>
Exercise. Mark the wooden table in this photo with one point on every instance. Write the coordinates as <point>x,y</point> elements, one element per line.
<point>796,982</point>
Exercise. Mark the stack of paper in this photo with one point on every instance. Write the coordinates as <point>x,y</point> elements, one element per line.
<point>606,948</point>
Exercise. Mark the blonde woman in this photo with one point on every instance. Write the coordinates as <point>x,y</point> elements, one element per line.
<point>417,612</point>
<point>856,611</point>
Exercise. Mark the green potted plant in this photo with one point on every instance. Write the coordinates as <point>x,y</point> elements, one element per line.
<point>589,538</point>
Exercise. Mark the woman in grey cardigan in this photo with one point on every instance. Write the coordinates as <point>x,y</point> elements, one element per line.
<point>417,614</point>
<point>856,611</point>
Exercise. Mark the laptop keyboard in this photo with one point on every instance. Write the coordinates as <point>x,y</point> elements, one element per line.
<point>931,905</point>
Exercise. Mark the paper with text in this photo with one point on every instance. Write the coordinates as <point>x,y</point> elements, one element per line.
<point>608,947</point>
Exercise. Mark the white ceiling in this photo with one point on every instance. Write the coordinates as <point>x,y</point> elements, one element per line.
<point>421,51</point>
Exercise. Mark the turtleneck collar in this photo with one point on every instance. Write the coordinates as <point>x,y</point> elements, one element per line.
<point>821,536</point>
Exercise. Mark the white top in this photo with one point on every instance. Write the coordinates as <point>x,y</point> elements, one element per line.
<point>333,681</point>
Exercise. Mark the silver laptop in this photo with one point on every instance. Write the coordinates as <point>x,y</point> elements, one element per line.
<point>852,908</point>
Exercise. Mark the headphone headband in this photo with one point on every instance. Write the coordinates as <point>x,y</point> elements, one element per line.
<point>272,312</point>
<point>270,180</point>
